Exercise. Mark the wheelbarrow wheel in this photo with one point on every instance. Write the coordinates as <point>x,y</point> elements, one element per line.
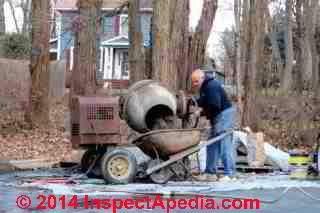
<point>88,159</point>
<point>162,175</point>
<point>119,166</point>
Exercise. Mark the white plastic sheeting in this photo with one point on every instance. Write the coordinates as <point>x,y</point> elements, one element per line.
<point>248,183</point>
<point>274,156</point>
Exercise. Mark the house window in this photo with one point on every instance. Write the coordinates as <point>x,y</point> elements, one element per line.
<point>124,23</point>
<point>107,25</point>
<point>125,65</point>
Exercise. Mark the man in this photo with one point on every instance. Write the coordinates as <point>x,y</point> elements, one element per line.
<point>219,111</point>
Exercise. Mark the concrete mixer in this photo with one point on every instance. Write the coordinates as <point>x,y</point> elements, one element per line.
<point>161,120</point>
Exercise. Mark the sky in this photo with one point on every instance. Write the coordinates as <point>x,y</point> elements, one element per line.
<point>224,19</point>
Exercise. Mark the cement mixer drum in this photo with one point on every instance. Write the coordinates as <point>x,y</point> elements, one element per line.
<point>148,106</point>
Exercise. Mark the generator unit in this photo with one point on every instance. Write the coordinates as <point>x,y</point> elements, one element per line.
<point>95,121</point>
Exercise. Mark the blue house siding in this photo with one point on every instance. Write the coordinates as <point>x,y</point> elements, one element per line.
<point>146,28</point>
<point>109,31</point>
<point>65,35</point>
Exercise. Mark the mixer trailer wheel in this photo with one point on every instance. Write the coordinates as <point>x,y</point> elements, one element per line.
<point>161,176</point>
<point>88,159</point>
<point>119,166</point>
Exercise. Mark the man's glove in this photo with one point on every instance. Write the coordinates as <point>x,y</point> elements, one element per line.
<point>192,101</point>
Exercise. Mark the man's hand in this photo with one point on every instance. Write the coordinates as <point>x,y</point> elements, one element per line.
<point>197,113</point>
<point>192,119</point>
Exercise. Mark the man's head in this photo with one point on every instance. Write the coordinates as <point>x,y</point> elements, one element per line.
<point>197,78</point>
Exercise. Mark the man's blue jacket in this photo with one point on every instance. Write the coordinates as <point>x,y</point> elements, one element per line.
<point>213,98</point>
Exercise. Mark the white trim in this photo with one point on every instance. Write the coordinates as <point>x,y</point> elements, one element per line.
<point>66,8</point>
<point>104,8</point>
<point>58,31</point>
<point>53,40</point>
<point>120,24</point>
<point>111,63</point>
<point>53,50</point>
<point>110,41</point>
<point>101,58</point>
<point>120,44</point>
<point>106,70</point>
<point>71,58</point>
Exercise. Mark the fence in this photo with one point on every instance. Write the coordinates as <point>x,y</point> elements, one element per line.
<point>15,81</point>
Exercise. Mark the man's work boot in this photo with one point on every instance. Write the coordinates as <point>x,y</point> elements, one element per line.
<point>206,177</point>
<point>212,177</point>
<point>227,179</point>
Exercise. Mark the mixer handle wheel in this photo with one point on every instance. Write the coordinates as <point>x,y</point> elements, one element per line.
<point>163,175</point>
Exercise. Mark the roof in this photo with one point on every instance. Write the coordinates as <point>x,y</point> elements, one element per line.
<point>106,4</point>
<point>118,42</point>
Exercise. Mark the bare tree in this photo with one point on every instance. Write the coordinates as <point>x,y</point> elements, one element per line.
<point>179,41</point>
<point>12,6</point>
<point>261,7</point>
<point>84,74</point>
<point>276,60</point>
<point>311,19</point>
<point>2,18</point>
<point>26,10</point>
<point>287,79</point>
<point>253,36</point>
<point>169,39</point>
<point>136,51</point>
<point>37,113</point>
<point>202,33</point>
<point>238,44</point>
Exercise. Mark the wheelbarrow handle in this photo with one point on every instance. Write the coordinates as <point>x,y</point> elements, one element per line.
<point>215,139</point>
<point>185,153</point>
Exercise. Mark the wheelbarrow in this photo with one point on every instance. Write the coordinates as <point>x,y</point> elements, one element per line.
<point>169,151</point>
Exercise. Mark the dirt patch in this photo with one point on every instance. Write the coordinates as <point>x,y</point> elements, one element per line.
<point>19,143</point>
<point>290,122</point>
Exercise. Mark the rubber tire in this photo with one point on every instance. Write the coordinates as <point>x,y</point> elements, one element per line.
<point>95,171</point>
<point>154,177</point>
<point>132,166</point>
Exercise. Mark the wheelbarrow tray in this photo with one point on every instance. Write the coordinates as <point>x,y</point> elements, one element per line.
<point>164,143</point>
<point>191,150</point>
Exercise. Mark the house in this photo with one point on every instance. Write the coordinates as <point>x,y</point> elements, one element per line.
<point>114,38</point>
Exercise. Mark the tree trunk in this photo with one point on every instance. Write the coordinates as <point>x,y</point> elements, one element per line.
<point>13,12</point>
<point>2,18</point>
<point>261,7</point>
<point>26,15</point>
<point>37,113</point>
<point>84,74</point>
<point>136,50</point>
<point>276,60</point>
<point>249,117</point>
<point>301,48</point>
<point>180,40</point>
<point>237,15</point>
<point>287,81</point>
<point>169,39</point>
<point>160,41</point>
<point>314,16</point>
<point>202,33</point>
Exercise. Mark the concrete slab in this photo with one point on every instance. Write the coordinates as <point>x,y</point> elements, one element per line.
<point>14,165</point>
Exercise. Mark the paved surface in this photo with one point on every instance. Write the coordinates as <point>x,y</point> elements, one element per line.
<point>14,184</point>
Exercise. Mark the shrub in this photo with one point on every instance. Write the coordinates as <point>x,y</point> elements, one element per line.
<point>15,46</point>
